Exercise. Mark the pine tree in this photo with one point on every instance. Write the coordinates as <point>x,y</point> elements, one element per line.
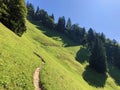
<point>37,14</point>
<point>116,54</point>
<point>52,17</point>
<point>90,38</point>
<point>30,9</point>
<point>61,24</point>
<point>69,24</point>
<point>14,15</point>
<point>3,9</point>
<point>102,37</point>
<point>98,57</point>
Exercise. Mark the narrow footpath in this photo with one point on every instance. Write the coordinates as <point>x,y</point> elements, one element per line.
<point>36,75</point>
<point>36,79</point>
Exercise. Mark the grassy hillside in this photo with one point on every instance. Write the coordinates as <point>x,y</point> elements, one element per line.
<point>61,70</point>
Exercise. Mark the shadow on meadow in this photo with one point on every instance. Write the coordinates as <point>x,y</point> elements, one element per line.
<point>93,78</point>
<point>114,73</point>
<point>54,34</point>
<point>89,75</point>
<point>82,55</point>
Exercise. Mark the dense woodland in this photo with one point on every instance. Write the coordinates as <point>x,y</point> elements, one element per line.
<point>103,50</point>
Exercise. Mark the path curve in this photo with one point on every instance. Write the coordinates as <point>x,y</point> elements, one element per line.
<point>36,75</point>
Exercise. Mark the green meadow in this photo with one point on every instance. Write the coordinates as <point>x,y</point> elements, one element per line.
<point>65,68</point>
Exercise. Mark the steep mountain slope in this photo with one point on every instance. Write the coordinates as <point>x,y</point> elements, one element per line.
<point>61,71</point>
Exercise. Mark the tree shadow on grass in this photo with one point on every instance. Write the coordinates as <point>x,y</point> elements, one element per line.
<point>82,55</point>
<point>54,34</point>
<point>114,73</point>
<point>93,78</point>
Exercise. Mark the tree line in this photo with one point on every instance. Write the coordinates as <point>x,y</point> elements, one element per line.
<point>103,50</point>
<point>13,14</point>
<point>74,31</point>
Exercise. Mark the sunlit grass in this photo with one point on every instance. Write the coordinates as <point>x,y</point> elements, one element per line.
<point>61,70</point>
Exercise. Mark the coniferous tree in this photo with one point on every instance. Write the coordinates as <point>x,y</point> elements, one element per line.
<point>109,51</point>
<point>113,52</point>
<point>37,14</point>
<point>52,17</point>
<point>98,59</point>
<point>14,15</point>
<point>50,23</point>
<point>46,19</point>
<point>117,56</point>
<point>61,24</point>
<point>83,36</point>
<point>41,15</point>
<point>69,24</point>
<point>90,38</point>
<point>3,9</point>
<point>102,37</point>
<point>77,34</point>
<point>30,9</point>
